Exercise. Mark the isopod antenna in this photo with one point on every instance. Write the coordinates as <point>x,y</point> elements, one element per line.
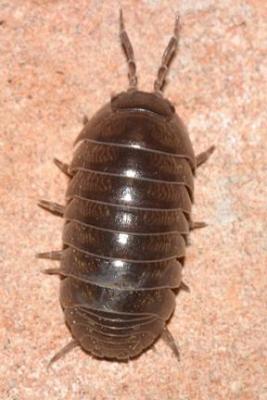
<point>167,57</point>
<point>128,50</point>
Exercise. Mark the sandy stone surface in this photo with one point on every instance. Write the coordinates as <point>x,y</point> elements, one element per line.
<point>60,60</point>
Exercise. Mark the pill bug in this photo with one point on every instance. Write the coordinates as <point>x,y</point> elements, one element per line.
<point>127,219</point>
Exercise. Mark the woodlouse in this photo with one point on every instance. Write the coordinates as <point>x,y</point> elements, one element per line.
<point>127,219</point>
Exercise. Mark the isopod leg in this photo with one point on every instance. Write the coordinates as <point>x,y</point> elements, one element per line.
<point>169,340</point>
<point>53,271</point>
<point>85,120</point>
<point>54,208</point>
<point>63,167</point>
<point>51,255</point>
<point>197,225</point>
<point>128,50</point>
<point>61,353</point>
<point>183,286</point>
<point>204,156</point>
<point>167,57</point>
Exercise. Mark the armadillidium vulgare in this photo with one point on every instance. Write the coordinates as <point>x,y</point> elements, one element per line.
<point>127,219</point>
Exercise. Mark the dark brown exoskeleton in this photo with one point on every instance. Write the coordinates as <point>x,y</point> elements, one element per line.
<point>127,219</point>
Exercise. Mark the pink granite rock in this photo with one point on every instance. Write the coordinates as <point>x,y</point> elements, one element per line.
<point>60,60</point>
